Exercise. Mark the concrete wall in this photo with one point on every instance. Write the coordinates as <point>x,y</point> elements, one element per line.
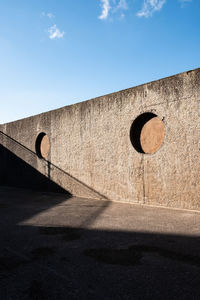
<point>91,154</point>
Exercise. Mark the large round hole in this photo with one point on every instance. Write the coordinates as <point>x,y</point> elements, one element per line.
<point>147,133</point>
<point>42,145</point>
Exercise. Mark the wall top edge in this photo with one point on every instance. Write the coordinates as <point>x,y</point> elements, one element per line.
<point>110,94</point>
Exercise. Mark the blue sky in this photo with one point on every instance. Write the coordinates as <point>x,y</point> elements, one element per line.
<point>58,52</point>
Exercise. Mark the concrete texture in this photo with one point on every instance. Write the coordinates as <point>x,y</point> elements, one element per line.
<point>91,153</point>
<point>58,247</point>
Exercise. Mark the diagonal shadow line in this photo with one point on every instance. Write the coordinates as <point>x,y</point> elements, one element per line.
<point>49,164</point>
<point>18,171</point>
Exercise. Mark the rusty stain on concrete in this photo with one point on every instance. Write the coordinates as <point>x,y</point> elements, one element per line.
<point>45,146</point>
<point>152,135</point>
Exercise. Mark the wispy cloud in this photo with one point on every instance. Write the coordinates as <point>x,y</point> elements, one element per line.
<point>149,7</point>
<point>105,9</point>
<point>49,15</point>
<point>184,2</point>
<point>112,6</point>
<point>122,4</point>
<point>55,33</point>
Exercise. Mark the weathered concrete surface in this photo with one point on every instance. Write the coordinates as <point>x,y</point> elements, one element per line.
<point>91,154</point>
<point>55,247</point>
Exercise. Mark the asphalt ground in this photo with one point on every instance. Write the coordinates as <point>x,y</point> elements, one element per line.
<point>53,246</point>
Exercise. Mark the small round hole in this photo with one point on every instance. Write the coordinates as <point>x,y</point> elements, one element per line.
<point>42,145</point>
<point>147,133</point>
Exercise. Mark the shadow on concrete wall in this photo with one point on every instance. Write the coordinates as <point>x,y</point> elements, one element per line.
<point>17,172</point>
<point>136,129</point>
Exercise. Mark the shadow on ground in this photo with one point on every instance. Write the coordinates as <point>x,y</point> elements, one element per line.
<point>53,247</point>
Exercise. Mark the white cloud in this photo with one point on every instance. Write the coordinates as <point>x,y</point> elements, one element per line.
<point>112,6</point>
<point>105,9</point>
<point>149,7</point>
<point>55,33</point>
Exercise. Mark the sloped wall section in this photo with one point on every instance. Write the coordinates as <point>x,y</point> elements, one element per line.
<point>93,149</point>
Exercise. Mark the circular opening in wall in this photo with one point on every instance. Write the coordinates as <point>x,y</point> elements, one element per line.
<point>147,133</point>
<point>42,145</point>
